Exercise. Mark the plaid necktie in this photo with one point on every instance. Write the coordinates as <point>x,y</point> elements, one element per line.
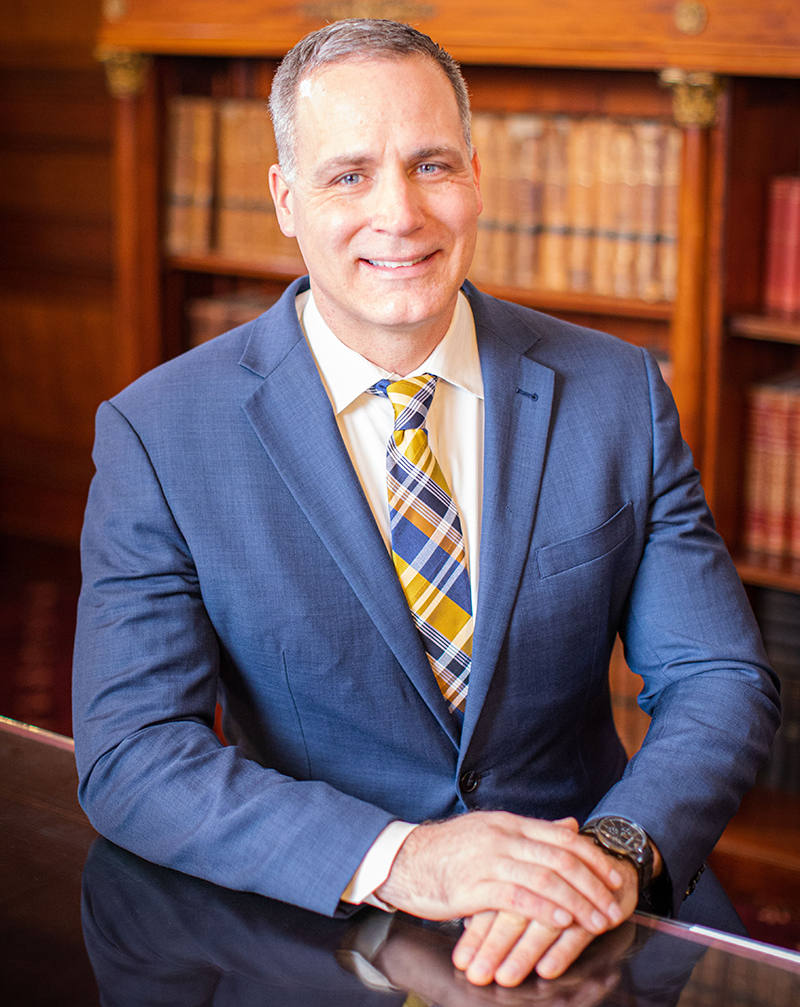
<point>427,544</point>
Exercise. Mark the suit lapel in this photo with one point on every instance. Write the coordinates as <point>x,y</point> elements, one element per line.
<point>519,398</point>
<point>292,416</point>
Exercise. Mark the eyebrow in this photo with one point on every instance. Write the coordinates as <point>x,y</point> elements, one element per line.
<point>360,160</point>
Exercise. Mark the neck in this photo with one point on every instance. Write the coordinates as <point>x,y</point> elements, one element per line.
<point>396,349</point>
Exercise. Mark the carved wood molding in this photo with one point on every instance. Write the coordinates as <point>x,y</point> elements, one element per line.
<point>694,95</point>
<point>126,71</point>
<point>405,11</point>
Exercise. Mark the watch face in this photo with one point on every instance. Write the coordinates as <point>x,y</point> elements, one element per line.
<point>621,835</point>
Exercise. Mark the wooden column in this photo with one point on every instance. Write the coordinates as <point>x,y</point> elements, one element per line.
<point>694,104</point>
<point>137,281</point>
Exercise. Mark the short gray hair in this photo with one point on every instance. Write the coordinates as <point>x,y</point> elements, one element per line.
<point>351,40</point>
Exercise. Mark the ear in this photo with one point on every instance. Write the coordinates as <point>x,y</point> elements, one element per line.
<point>476,174</point>
<point>282,198</point>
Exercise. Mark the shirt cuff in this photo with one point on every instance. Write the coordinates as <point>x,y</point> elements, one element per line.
<point>376,865</point>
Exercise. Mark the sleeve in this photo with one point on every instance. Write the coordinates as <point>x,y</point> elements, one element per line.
<point>154,778</point>
<point>688,630</point>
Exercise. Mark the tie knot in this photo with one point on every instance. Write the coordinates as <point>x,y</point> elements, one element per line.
<point>410,397</point>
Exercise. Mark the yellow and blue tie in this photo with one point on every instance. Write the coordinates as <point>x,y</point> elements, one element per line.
<point>427,544</point>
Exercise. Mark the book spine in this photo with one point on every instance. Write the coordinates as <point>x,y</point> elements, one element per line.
<point>649,137</point>
<point>794,479</point>
<point>782,292</point>
<point>605,226</point>
<point>527,133</point>
<point>231,180</point>
<point>627,216</point>
<point>756,471</point>
<point>670,191</point>
<point>178,189</point>
<point>553,274</point>
<point>483,130</point>
<point>776,446</point>
<point>581,210</point>
<point>204,119</point>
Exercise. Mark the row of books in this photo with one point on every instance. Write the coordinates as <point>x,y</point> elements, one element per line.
<point>782,277</point>
<point>585,204</point>
<point>772,473</point>
<point>218,198</point>
<point>778,614</point>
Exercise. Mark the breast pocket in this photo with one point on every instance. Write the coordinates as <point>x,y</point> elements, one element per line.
<point>593,545</point>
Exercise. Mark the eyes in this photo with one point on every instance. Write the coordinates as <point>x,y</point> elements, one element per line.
<point>425,169</point>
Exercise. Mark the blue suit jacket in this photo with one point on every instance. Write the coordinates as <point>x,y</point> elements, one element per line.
<point>229,552</point>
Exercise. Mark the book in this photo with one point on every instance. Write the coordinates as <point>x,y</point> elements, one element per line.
<point>782,282</point>
<point>770,465</point>
<point>484,129</point>
<point>668,217</point>
<point>527,132</point>
<point>650,141</point>
<point>209,317</point>
<point>190,175</point>
<point>581,202</point>
<point>553,272</point>
<point>247,225</point>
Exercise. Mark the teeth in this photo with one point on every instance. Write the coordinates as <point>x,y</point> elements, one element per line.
<point>395,265</point>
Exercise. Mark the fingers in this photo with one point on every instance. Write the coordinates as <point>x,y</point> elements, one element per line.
<point>506,948</point>
<point>487,943</point>
<point>563,877</point>
<point>558,956</point>
<point>563,835</point>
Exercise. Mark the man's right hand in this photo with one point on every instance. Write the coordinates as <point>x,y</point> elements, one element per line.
<point>540,870</point>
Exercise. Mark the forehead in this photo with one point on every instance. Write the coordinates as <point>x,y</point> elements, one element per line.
<point>408,94</point>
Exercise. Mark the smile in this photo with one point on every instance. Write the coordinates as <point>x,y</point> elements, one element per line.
<point>388,264</point>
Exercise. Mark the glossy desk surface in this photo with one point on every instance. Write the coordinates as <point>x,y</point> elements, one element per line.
<point>83,922</point>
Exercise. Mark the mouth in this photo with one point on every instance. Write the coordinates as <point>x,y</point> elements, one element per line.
<point>397,263</point>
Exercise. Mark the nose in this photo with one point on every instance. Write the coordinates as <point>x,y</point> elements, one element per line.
<point>397,206</point>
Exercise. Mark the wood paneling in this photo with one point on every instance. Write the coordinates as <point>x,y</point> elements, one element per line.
<point>57,339</point>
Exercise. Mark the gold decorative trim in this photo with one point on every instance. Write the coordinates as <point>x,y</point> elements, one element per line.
<point>125,71</point>
<point>690,16</point>
<point>694,95</point>
<point>405,11</point>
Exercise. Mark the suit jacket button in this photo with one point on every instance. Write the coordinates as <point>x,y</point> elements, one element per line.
<point>469,782</point>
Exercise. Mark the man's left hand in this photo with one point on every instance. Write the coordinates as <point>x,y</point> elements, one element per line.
<point>506,948</point>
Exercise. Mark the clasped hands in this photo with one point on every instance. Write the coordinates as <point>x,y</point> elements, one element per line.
<point>533,893</point>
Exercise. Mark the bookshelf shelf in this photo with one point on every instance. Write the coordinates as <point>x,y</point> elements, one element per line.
<point>590,304</point>
<point>764,327</point>
<point>764,570</point>
<point>218,265</point>
<point>543,300</point>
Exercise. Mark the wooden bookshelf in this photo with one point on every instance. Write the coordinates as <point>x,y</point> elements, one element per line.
<point>730,78</point>
<point>774,330</point>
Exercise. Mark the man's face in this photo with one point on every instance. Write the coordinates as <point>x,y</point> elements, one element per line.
<point>385,201</point>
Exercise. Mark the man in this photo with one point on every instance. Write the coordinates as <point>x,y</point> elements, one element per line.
<point>378,667</point>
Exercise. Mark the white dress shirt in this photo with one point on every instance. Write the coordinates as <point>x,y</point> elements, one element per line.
<point>455,431</point>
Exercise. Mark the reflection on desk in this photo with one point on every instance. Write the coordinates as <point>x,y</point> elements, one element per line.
<point>158,937</point>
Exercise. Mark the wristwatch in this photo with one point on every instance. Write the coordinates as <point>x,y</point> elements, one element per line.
<point>624,839</point>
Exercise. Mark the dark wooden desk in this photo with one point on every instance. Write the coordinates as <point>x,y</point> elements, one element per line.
<point>77,912</point>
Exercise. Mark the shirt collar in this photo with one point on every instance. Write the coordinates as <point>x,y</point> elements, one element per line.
<point>346,374</point>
